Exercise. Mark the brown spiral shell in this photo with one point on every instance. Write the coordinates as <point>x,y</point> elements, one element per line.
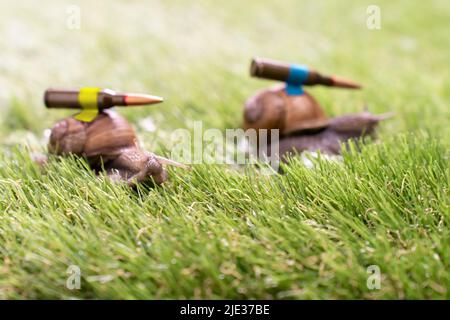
<point>273,109</point>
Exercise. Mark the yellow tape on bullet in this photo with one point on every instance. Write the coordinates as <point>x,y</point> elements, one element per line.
<point>88,100</point>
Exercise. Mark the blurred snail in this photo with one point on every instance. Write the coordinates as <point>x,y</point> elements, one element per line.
<point>106,140</point>
<point>300,119</point>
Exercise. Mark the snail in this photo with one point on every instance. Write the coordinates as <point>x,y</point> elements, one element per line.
<point>110,143</point>
<point>301,121</point>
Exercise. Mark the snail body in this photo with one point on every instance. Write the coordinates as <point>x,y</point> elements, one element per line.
<point>110,143</point>
<point>333,137</point>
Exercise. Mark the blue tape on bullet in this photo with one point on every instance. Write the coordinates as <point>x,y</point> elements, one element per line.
<point>294,90</point>
<point>297,77</point>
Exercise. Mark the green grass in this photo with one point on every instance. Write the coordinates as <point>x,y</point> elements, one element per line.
<point>216,232</point>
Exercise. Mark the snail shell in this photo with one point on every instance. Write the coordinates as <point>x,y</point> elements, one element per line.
<point>92,139</point>
<point>273,109</point>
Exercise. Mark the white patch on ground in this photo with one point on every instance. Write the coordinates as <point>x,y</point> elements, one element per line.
<point>308,158</point>
<point>22,137</point>
<point>28,138</point>
<point>47,133</point>
<point>408,44</point>
<point>147,124</point>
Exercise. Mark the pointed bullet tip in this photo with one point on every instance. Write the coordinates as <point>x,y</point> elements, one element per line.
<point>133,99</point>
<point>344,83</point>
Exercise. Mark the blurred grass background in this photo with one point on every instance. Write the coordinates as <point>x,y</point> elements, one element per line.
<point>196,55</point>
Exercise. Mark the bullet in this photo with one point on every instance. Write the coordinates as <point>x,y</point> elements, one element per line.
<point>91,100</point>
<point>102,99</point>
<point>296,75</point>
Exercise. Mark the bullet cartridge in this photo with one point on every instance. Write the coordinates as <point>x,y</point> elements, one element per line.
<point>296,75</point>
<point>93,100</point>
